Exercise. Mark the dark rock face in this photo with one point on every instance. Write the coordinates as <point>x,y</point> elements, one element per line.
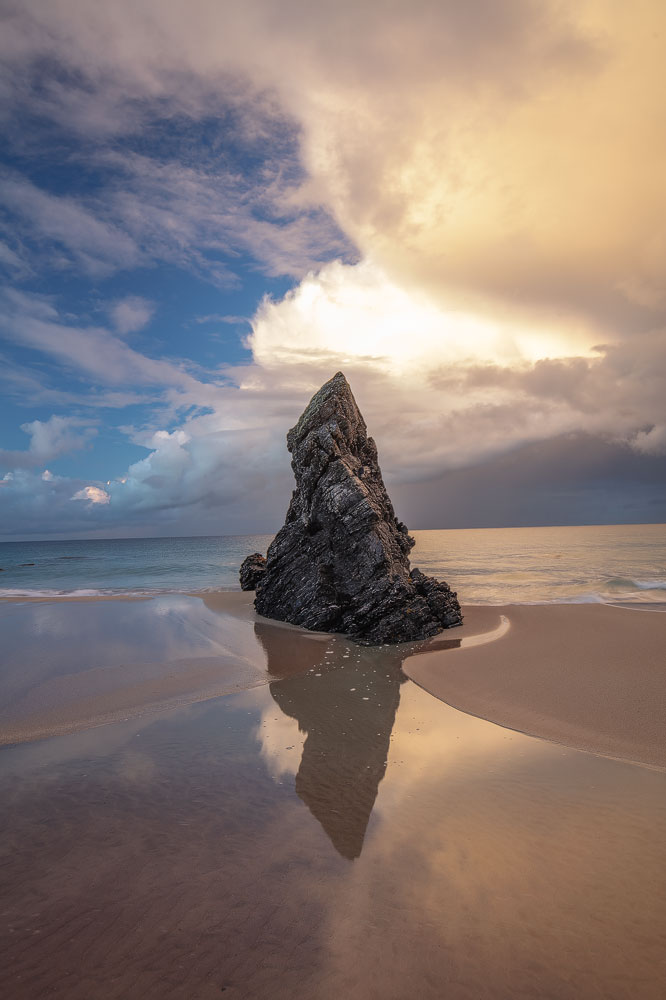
<point>340,563</point>
<point>252,570</point>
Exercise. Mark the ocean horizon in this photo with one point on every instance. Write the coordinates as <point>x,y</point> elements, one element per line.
<point>550,564</point>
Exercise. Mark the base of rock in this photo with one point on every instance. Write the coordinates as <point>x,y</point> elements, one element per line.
<point>407,610</point>
<point>252,570</point>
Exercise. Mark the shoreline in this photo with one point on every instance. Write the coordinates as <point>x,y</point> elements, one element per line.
<point>586,676</point>
<point>73,596</point>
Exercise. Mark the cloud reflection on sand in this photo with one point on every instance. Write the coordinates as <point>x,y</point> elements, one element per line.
<point>344,700</point>
<point>414,850</point>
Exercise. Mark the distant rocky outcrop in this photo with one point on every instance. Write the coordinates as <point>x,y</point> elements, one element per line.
<point>252,570</point>
<point>340,563</point>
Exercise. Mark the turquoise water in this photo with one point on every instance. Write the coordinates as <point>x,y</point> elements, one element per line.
<point>604,563</point>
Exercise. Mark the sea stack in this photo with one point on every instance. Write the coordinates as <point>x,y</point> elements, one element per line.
<point>340,563</point>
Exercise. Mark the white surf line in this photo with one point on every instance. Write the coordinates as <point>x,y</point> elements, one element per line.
<point>656,608</point>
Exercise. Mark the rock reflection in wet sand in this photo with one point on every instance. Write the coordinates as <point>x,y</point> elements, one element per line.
<point>162,860</point>
<point>347,711</point>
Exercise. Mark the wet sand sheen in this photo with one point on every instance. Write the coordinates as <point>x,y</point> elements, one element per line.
<point>587,676</point>
<point>336,833</point>
<point>66,668</point>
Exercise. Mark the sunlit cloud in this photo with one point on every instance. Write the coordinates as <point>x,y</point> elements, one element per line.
<point>281,743</point>
<point>93,494</point>
<point>356,313</point>
<point>468,200</point>
<point>433,404</point>
<point>508,149</point>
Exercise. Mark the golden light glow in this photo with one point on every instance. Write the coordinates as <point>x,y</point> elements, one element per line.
<point>356,313</point>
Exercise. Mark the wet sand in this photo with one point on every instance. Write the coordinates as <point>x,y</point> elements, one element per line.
<point>589,676</point>
<point>336,833</point>
<point>85,662</point>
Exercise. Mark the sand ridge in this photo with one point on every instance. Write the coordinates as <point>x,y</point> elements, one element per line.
<point>590,676</point>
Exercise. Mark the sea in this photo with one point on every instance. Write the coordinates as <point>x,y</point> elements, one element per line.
<point>573,564</point>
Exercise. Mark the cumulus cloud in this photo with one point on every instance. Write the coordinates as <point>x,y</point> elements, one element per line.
<point>32,505</point>
<point>444,388</point>
<point>488,175</point>
<point>433,399</point>
<point>505,151</point>
<point>355,312</point>
<point>652,441</point>
<point>212,481</point>
<point>93,495</point>
<point>511,154</point>
<point>49,439</point>
<point>131,313</point>
<point>57,435</point>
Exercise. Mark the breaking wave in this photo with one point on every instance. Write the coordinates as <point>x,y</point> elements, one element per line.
<point>24,592</point>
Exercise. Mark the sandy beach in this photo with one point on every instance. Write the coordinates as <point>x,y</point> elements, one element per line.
<point>588,676</point>
<point>199,802</point>
<point>67,669</point>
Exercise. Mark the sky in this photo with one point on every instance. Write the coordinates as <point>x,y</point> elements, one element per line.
<point>208,208</point>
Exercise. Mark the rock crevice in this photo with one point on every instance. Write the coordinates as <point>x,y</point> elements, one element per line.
<point>340,563</point>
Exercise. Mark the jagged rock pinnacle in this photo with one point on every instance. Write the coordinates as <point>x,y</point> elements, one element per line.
<point>340,563</point>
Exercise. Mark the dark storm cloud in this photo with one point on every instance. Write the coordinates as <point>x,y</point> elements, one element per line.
<point>574,479</point>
